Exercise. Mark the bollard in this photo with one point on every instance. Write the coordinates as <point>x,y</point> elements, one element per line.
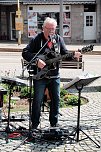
<point>19,37</point>
<point>0,116</point>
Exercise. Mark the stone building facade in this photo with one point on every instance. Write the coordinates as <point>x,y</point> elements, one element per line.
<point>81,19</point>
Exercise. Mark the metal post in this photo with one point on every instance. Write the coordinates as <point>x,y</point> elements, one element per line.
<point>19,31</point>
<point>98,5</point>
<point>19,37</point>
<point>100,19</point>
<point>18,5</point>
<point>61,18</point>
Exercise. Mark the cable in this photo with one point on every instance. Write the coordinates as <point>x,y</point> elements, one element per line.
<point>15,135</point>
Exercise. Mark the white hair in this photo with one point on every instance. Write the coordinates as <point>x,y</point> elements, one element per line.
<point>50,20</point>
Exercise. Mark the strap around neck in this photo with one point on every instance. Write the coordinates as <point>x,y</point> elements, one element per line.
<point>56,45</point>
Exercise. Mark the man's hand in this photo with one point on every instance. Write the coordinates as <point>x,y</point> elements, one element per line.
<point>40,64</point>
<point>77,55</point>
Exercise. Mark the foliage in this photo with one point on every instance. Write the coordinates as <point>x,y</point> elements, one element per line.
<point>63,92</point>
<point>72,100</point>
<point>5,99</point>
<point>66,99</point>
<point>26,91</point>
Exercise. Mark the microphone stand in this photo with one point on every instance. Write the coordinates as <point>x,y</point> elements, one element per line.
<point>33,59</point>
<point>30,99</point>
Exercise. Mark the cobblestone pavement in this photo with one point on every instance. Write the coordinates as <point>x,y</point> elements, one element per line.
<point>90,123</point>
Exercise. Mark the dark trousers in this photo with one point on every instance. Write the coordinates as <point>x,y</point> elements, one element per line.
<point>53,86</point>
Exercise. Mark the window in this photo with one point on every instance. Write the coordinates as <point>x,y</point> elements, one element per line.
<point>36,19</point>
<point>89,20</point>
<point>89,8</point>
<point>41,17</point>
<point>30,8</point>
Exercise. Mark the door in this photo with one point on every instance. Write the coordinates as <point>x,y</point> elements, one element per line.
<point>89,25</point>
<point>12,25</point>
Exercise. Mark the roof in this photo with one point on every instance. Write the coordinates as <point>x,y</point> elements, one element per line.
<point>48,1</point>
<point>9,1</point>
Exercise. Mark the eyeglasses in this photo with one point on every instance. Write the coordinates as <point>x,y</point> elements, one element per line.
<point>50,29</point>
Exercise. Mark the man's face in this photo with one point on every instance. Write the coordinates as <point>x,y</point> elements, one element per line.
<point>49,29</point>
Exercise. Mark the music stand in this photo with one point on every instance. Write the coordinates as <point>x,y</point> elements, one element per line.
<point>11,83</point>
<point>79,83</point>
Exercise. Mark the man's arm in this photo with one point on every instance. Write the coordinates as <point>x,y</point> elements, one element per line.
<point>27,52</point>
<point>63,50</point>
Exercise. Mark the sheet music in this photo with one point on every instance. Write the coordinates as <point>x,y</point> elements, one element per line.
<point>84,76</point>
<point>15,81</point>
<point>22,81</point>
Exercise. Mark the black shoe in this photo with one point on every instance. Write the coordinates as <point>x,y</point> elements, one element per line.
<point>34,126</point>
<point>54,125</point>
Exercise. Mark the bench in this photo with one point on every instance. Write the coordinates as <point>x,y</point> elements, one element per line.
<point>72,64</point>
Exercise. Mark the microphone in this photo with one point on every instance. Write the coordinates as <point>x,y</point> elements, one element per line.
<point>51,37</point>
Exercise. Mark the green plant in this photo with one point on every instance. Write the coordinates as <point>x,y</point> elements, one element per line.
<point>5,99</point>
<point>25,92</point>
<point>62,103</point>
<point>67,99</point>
<point>72,100</point>
<point>63,92</point>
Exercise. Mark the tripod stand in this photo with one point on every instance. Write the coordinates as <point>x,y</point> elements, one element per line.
<point>7,129</point>
<point>11,83</point>
<point>29,134</point>
<point>79,84</point>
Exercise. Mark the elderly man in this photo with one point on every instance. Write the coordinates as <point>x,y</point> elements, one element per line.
<point>52,42</point>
